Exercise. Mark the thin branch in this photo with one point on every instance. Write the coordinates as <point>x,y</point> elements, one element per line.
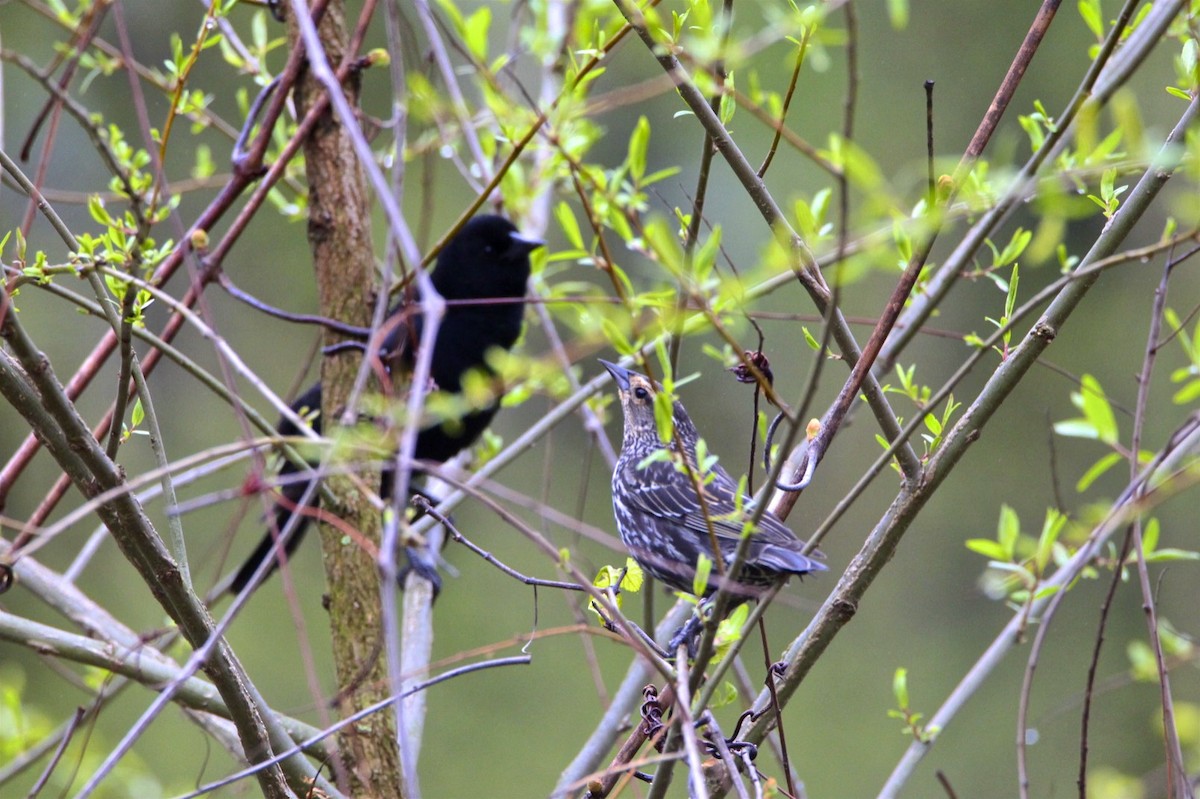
<point>354,718</point>
<point>839,607</point>
<point>423,504</point>
<point>1102,79</point>
<point>1126,507</point>
<point>801,50</point>
<point>141,664</point>
<point>1179,782</point>
<point>50,413</point>
<point>805,266</point>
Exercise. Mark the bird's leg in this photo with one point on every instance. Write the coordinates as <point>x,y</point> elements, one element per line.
<point>419,559</point>
<point>689,633</point>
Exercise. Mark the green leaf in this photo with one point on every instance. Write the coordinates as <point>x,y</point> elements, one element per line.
<point>1010,301</point>
<point>725,695</point>
<point>898,14</point>
<point>660,174</point>
<point>665,245</point>
<point>933,424</point>
<point>1008,530</point>
<point>569,225</point>
<point>728,105</point>
<point>1051,528</point>
<point>1092,16</point>
<point>627,579</point>
<point>735,621</point>
<point>703,569</point>
<point>1175,644</point>
<point>1167,554</point>
<point>706,256</point>
<point>657,456</point>
<point>1098,420</point>
<point>1150,535</point>
<point>664,418</point>
<point>988,548</point>
<point>475,32</point>
<point>1188,394</point>
<point>1143,666</point>
<point>615,335</point>
<point>639,142</point>
<point>99,212</point>
<point>1075,428</point>
<point>1189,57</point>
<point>1016,245</point>
<point>452,11</point>
<point>861,169</point>
<point>1107,180</point>
<point>900,687</point>
<point>635,578</point>
<point>1033,129</point>
<point>607,577</point>
<point>204,167</point>
<point>1096,470</point>
<point>729,631</point>
<point>1097,409</point>
<point>1046,590</point>
<point>903,241</point>
<point>806,223</point>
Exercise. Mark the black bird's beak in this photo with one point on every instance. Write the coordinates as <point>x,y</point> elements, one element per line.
<point>525,244</point>
<point>619,374</point>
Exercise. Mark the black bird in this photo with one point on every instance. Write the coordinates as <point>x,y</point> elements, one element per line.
<point>481,274</point>
<point>659,512</point>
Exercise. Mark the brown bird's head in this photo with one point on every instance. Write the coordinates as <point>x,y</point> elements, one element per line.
<point>637,393</point>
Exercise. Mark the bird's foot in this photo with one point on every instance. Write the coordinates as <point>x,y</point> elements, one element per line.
<point>688,634</point>
<point>420,562</point>
<point>419,558</point>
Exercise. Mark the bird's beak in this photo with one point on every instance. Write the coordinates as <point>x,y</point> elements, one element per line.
<point>619,374</point>
<point>525,243</point>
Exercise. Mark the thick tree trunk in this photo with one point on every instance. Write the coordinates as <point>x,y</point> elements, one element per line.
<point>339,231</point>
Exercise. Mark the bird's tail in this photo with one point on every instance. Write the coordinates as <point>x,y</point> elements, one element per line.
<point>282,530</point>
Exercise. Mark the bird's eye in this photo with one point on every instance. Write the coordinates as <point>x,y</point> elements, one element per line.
<point>641,393</point>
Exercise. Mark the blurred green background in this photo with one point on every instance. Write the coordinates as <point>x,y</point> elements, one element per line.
<point>509,732</point>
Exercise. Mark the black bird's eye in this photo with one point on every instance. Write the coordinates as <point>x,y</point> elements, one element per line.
<point>641,393</point>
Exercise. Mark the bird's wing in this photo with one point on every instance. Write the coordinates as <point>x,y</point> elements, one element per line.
<point>773,546</point>
<point>666,493</point>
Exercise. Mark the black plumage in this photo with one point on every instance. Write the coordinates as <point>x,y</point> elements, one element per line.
<point>482,274</point>
<point>661,518</point>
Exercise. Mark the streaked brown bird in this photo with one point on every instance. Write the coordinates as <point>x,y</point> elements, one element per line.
<point>661,517</point>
